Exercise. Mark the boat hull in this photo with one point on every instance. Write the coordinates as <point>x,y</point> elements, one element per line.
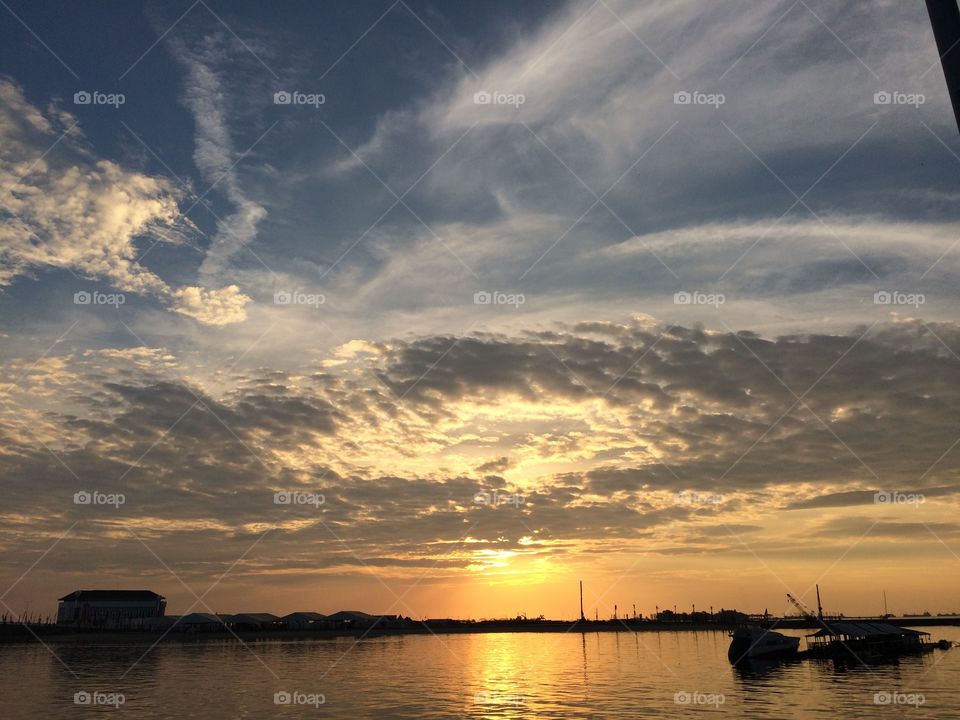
<point>755,643</point>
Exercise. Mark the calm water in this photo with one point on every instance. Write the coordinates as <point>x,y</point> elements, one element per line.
<point>600,675</point>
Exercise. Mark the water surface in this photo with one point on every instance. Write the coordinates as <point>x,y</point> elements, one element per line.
<point>522,675</point>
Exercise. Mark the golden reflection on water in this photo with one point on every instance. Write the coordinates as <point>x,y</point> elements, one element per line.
<point>510,675</point>
<point>501,679</point>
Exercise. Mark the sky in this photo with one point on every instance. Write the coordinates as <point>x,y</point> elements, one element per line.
<point>436,309</point>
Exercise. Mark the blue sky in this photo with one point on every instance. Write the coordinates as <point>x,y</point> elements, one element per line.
<point>538,154</point>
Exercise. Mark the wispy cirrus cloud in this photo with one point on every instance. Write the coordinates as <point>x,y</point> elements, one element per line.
<point>213,91</point>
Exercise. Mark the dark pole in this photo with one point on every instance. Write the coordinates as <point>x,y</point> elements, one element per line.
<point>582,618</point>
<point>945,18</point>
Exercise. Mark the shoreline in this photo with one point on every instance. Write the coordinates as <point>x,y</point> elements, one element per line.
<point>19,634</point>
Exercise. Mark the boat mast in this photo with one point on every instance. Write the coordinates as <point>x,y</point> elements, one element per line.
<point>582,618</point>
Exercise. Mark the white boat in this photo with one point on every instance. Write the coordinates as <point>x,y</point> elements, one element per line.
<point>752,642</point>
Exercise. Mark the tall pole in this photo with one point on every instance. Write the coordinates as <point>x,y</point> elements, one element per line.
<point>582,618</point>
<point>819,606</point>
<point>945,18</point>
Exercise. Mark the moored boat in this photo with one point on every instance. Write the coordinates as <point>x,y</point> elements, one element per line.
<point>864,640</point>
<point>752,642</point>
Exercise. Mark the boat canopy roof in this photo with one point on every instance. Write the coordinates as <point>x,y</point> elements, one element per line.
<point>863,629</point>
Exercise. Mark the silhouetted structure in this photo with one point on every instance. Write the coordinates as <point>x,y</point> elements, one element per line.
<point>945,18</point>
<point>253,621</point>
<point>866,638</point>
<point>109,608</point>
<point>357,619</point>
<point>304,621</point>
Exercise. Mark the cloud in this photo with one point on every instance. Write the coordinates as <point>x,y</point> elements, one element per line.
<point>852,498</point>
<point>210,94</point>
<point>71,211</point>
<point>854,527</point>
<point>515,199</point>
<point>212,307</point>
<point>635,433</point>
<point>498,465</point>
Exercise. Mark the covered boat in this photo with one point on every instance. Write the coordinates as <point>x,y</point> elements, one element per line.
<point>866,639</point>
<point>752,642</point>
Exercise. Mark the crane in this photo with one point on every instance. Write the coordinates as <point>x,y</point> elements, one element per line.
<point>806,612</point>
